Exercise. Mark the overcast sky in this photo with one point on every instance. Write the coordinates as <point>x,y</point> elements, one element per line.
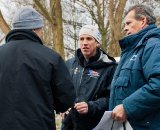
<point>7,8</point>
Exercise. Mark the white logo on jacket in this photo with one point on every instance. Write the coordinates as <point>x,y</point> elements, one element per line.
<point>76,70</point>
<point>93,73</point>
<point>134,57</point>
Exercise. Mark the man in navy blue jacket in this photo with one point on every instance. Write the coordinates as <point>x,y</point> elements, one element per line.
<point>135,89</point>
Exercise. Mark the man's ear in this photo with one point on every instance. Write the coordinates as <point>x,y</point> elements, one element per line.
<point>98,44</point>
<point>144,22</point>
<point>34,30</point>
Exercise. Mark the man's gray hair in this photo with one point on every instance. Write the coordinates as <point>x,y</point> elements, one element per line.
<point>143,11</point>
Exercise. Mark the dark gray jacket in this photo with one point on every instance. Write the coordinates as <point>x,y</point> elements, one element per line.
<point>34,82</point>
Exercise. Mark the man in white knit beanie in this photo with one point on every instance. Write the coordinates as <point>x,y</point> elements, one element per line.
<point>92,71</point>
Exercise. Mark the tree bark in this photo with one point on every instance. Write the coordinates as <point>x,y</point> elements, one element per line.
<point>58,27</point>
<point>3,25</point>
<point>115,18</point>
<point>54,17</point>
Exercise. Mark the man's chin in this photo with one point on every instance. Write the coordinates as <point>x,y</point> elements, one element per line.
<point>85,53</point>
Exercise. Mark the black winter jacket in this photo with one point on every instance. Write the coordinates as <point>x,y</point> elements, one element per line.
<point>32,83</point>
<point>92,82</point>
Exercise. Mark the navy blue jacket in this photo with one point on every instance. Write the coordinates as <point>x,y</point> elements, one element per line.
<point>34,82</point>
<point>136,82</point>
<point>92,84</point>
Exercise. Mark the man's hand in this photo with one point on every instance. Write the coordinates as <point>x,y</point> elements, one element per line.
<point>119,114</point>
<point>65,113</point>
<point>81,107</point>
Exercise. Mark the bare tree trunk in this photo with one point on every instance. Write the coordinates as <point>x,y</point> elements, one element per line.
<point>57,27</point>
<point>111,31</point>
<point>3,25</point>
<point>115,20</point>
<point>54,17</point>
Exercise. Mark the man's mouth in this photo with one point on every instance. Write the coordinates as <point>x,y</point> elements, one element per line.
<point>85,48</point>
<point>129,33</point>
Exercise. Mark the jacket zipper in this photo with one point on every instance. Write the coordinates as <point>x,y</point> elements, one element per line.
<point>81,75</point>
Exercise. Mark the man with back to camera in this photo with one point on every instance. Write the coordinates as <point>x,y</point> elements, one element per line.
<point>91,71</point>
<point>135,89</point>
<point>34,80</point>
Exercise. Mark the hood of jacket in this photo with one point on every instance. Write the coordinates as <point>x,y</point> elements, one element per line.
<point>136,40</point>
<point>99,60</point>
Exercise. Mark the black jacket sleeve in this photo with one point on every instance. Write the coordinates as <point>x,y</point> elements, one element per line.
<point>63,89</point>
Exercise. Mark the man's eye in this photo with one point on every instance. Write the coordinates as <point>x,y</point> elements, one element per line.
<point>89,38</point>
<point>127,23</point>
<point>81,39</point>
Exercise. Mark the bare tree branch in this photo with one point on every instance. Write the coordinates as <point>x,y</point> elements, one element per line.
<point>43,10</point>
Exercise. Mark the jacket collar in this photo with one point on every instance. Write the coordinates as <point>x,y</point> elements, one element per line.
<point>135,40</point>
<point>20,34</point>
<point>100,59</point>
<point>92,59</point>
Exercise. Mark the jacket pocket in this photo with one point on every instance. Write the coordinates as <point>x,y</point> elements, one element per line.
<point>122,90</point>
<point>133,71</point>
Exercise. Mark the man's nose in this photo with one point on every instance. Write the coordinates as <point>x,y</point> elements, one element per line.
<point>125,29</point>
<point>85,41</point>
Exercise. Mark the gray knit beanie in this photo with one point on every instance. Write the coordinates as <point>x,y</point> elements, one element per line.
<point>92,31</point>
<point>27,18</point>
